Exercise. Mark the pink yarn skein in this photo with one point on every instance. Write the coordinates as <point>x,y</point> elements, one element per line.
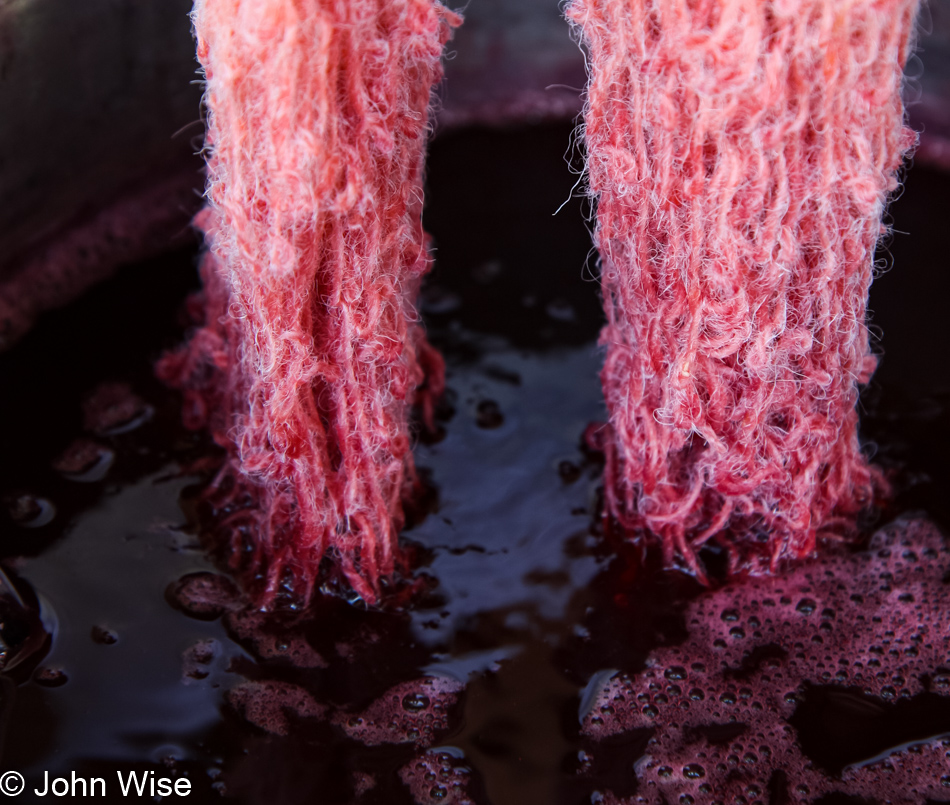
<point>312,354</point>
<point>741,153</point>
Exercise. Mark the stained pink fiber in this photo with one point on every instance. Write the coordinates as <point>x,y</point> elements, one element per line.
<point>312,354</point>
<point>741,153</point>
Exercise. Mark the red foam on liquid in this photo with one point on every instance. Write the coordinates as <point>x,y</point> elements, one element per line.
<point>870,629</point>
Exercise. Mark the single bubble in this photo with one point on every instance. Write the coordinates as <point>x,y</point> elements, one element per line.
<point>806,606</point>
<point>560,310</point>
<point>196,674</point>
<point>415,702</point>
<point>485,272</point>
<point>439,301</point>
<point>675,672</point>
<point>694,771</point>
<point>568,471</point>
<point>84,461</point>
<point>103,636</point>
<point>488,415</point>
<point>30,511</point>
<point>50,677</point>
<point>113,408</point>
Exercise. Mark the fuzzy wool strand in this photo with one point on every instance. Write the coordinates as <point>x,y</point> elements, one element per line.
<point>741,153</point>
<point>311,353</point>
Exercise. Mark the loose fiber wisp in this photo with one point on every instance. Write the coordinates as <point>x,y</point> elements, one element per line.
<point>311,354</point>
<point>741,153</point>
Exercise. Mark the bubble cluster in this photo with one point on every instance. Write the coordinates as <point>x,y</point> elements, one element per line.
<point>196,659</point>
<point>204,596</point>
<point>269,640</point>
<point>85,461</point>
<point>869,627</point>
<point>30,511</point>
<point>411,712</point>
<point>113,408</point>
<point>363,782</point>
<point>50,677</point>
<point>435,778</point>
<point>270,705</point>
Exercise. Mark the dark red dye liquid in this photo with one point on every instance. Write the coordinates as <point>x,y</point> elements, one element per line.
<point>528,608</point>
<point>839,726</point>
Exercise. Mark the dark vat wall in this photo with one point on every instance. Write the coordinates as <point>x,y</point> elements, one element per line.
<point>92,94</point>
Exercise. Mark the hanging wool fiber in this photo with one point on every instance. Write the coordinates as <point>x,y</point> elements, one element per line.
<point>741,153</point>
<point>311,354</point>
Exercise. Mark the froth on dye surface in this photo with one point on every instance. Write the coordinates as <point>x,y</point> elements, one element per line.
<point>832,678</point>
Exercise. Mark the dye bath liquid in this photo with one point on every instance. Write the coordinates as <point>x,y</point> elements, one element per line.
<point>541,660</point>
